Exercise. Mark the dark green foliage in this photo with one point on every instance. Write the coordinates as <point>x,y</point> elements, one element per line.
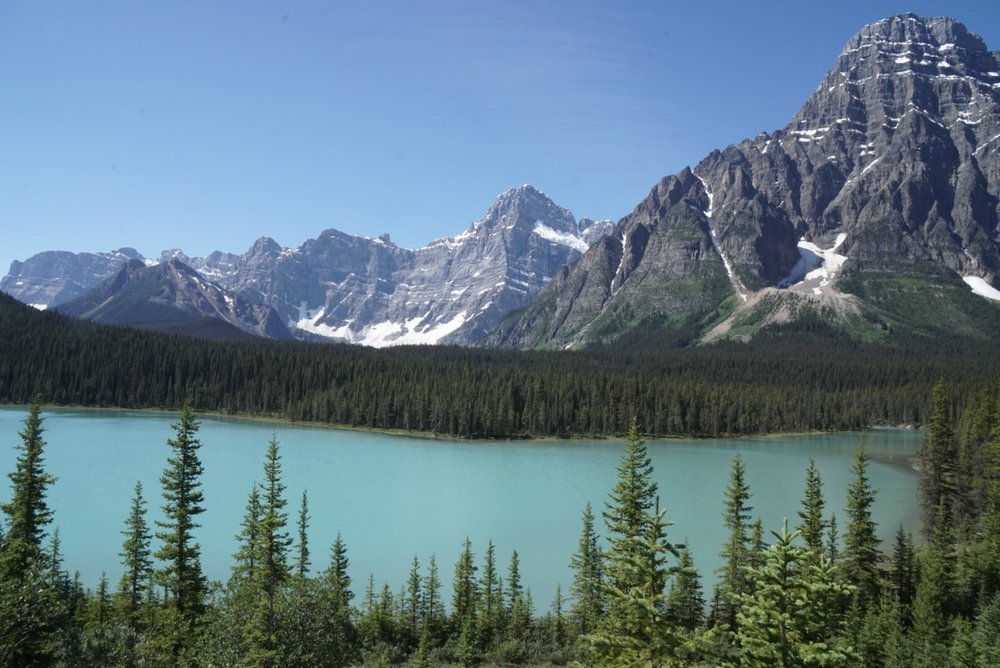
<point>861,556</point>
<point>738,552</point>
<point>181,574</point>
<point>685,604</point>
<point>793,613</point>
<point>811,515</point>
<point>939,463</point>
<point>780,381</point>
<point>137,561</point>
<point>588,578</point>
<point>30,605</point>
<point>302,562</point>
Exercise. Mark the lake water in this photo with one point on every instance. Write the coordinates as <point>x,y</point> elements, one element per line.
<point>393,497</point>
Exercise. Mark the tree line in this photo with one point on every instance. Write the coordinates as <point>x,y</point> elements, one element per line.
<point>807,593</point>
<point>794,378</point>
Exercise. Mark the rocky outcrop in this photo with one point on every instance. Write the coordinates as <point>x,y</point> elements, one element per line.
<point>894,161</point>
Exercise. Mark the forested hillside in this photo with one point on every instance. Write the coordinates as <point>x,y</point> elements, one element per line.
<point>801,379</point>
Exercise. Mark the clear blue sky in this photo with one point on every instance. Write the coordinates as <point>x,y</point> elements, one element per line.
<point>204,125</point>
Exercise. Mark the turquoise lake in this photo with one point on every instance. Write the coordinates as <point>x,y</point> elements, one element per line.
<point>393,497</point>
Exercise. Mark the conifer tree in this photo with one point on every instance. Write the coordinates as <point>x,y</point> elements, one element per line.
<point>903,573</point>
<point>181,574</point>
<point>273,542</point>
<point>738,549</point>
<point>434,613</point>
<point>685,604</point>
<point>302,562</point>
<point>933,602</point>
<point>636,631</point>
<point>518,609</point>
<point>137,560</point>
<point>861,554</point>
<point>491,613</point>
<point>248,539</point>
<point>337,595</point>
<point>939,460</point>
<point>413,604</point>
<point>588,578</point>
<point>30,606</point>
<point>627,511</point>
<point>465,589</point>
<point>812,524</point>
<point>793,615</point>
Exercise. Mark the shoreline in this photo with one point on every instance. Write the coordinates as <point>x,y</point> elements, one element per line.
<point>898,460</point>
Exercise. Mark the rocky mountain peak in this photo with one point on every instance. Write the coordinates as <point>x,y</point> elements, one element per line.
<point>525,206</point>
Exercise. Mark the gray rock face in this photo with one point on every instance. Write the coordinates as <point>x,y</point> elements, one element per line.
<point>370,291</point>
<point>895,160</point>
<point>164,295</point>
<point>51,278</point>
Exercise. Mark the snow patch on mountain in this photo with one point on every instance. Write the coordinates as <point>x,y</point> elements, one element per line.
<point>981,287</point>
<point>816,265</point>
<point>546,232</point>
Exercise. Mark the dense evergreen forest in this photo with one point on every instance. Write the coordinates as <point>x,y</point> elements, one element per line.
<point>803,594</point>
<point>804,377</point>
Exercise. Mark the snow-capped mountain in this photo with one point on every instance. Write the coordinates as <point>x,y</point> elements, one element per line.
<point>54,277</point>
<point>172,297</point>
<point>891,167</point>
<point>370,291</point>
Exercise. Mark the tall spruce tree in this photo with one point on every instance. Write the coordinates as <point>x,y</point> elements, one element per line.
<point>636,631</point>
<point>861,556</point>
<point>273,543</point>
<point>685,605</point>
<point>737,552</point>
<point>627,513</point>
<point>939,460</point>
<point>792,614</point>
<point>588,578</point>
<point>302,562</point>
<point>181,574</point>
<point>465,589</point>
<point>812,524</point>
<point>248,539</point>
<point>137,561</point>
<point>30,605</point>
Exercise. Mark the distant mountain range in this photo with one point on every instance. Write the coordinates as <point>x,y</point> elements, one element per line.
<point>337,287</point>
<point>875,209</point>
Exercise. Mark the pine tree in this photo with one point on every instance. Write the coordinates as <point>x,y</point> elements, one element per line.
<point>685,604</point>
<point>30,607</point>
<point>636,631</point>
<point>738,550</point>
<point>903,572</point>
<point>939,460</point>
<point>933,602</point>
<point>588,578</point>
<point>434,614</point>
<point>812,524</point>
<point>518,608</point>
<point>302,558</point>
<point>137,560</point>
<point>490,599</point>
<point>793,615</point>
<point>181,574</point>
<point>413,604</point>
<point>465,589</point>
<point>248,539</point>
<point>861,554</point>
<point>341,634</point>
<point>272,560</point>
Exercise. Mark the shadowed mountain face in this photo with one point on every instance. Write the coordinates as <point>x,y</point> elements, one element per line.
<point>891,167</point>
<point>172,297</point>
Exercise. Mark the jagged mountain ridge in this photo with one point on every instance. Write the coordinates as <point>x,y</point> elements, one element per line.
<point>892,165</point>
<point>370,291</point>
<point>168,296</point>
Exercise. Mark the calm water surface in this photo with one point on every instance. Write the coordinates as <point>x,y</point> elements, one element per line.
<point>394,497</point>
